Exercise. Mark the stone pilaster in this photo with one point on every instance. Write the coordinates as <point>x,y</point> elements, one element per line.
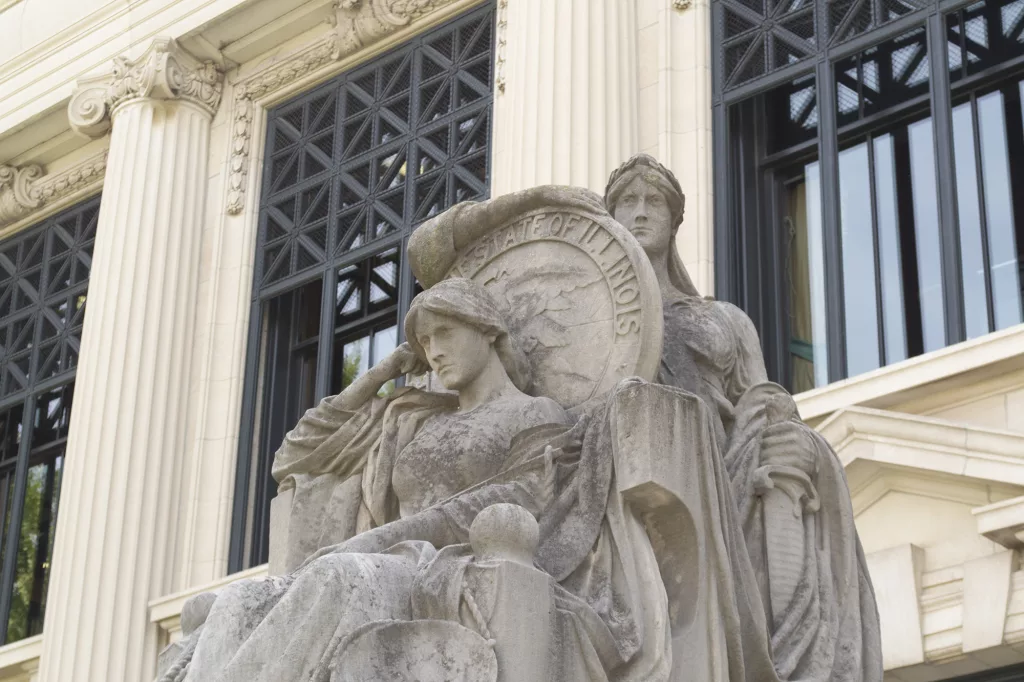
<point>117,524</point>
<point>566,103</point>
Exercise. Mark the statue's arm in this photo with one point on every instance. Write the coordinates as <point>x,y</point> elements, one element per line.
<point>317,442</point>
<point>433,246</point>
<point>748,369</point>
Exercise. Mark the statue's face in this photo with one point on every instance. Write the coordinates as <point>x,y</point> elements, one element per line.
<point>456,352</point>
<point>643,210</point>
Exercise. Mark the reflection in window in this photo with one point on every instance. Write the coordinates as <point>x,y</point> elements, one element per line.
<point>806,276</point>
<point>988,248</point>
<point>926,232</point>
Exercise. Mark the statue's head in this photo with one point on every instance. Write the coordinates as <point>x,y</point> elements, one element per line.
<point>646,199</point>
<point>455,326</point>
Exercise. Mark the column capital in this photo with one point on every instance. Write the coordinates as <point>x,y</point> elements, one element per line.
<point>164,71</point>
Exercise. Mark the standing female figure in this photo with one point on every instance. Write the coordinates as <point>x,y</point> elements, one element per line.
<point>810,567</point>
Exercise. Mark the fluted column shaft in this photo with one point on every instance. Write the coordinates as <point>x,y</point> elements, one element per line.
<point>116,528</point>
<point>568,112</point>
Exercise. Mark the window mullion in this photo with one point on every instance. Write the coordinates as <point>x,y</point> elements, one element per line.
<point>828,147</point>
<point>325,345</point>
<point>942,116</point>
<point>10,565</point>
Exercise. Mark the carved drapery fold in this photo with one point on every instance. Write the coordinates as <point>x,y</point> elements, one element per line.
<point>357,24</point>
<point>28,189</point>
<point>164,71</point>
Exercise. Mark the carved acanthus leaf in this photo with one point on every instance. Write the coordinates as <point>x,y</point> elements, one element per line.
<point>26,190</point>
<point>357,24</point>
<point>501,43</point>
<point>164,71</point>
<point>17,196</point>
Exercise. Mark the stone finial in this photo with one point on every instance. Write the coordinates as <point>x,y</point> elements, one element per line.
<point>164,71</point>
<point>505,532</point>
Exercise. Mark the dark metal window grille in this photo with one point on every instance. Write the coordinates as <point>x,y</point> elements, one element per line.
<point>44,277</point>
<point>351,168</point>
<point>913,210</point>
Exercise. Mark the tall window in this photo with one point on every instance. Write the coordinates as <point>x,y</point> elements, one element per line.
<point>44,275</point>
<point>351,168</point>
<point>871,157</point>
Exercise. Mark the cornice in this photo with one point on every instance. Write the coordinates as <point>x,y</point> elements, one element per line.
<point>164,71</point>
<point>357,25</point>
<point>28,191</point>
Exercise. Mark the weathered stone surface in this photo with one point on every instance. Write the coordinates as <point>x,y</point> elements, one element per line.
<point>579,295</point>
<point>417,651</point>
<point>688,529</point>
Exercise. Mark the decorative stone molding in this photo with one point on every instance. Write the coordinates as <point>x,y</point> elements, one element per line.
<point>501,46</point>
<point>680,5</point>
<point>27,190</point>
<point>164,71</point>
<point>357,24</point>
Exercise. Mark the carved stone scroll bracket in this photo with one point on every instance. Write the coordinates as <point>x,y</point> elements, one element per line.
<point>681,5</point>
<point>26,191</point>
<point>17,195</point>
<point>357,24</point>
<point>164,71</point>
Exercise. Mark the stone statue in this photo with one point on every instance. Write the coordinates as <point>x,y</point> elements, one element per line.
<point>788,484</point>
<point>609,488</point>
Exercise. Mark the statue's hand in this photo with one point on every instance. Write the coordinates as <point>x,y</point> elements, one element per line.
<point>790,443</point>
<point>403,361</point>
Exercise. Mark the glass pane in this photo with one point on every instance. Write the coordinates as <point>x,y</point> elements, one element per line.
<point>307,311</point>
<point>35,549</point>
<point>926,232</point>
<point>983,35</point>
<point>972,260</point>
<point>352,359</point>
<point>1002,244</point>
<point>384,342</point>
<point>806,275</point>
<point>792,114</point>
<point>882,76</point>
<point>890,268</point>
<point>860,288</point>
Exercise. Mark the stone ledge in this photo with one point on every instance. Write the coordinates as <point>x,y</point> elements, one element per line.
<point>1000,351</point>
<point>166,611</point>
<point>927,443</point>
<point>19,660</point>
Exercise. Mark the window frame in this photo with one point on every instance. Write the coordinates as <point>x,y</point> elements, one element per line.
<point>27,398</point>
<point>736,250</point>
<point>244,542</point>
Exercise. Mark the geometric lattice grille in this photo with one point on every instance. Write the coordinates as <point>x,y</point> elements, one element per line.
<point>760,36</point>
<point>378,149</point>
<point>44,275</point>
<point>849,18</point>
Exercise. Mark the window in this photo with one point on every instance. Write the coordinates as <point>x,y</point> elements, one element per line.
<point>351,168</point>
<point>871,155</point>
<point>44,275</point>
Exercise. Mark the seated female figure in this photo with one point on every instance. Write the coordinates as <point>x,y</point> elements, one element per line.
<point>428,463</point>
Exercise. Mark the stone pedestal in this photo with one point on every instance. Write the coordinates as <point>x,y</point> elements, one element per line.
<point>567,110</point>
<point>115,544</point>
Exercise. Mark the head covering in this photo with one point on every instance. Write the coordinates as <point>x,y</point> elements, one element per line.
<point>469,303</point>
<point>647,167</point>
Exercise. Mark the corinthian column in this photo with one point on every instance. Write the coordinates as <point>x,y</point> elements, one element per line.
<point>565,110</point>
<point>116,527</point>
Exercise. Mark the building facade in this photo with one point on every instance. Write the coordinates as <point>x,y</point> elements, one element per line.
<point>203,212</point>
